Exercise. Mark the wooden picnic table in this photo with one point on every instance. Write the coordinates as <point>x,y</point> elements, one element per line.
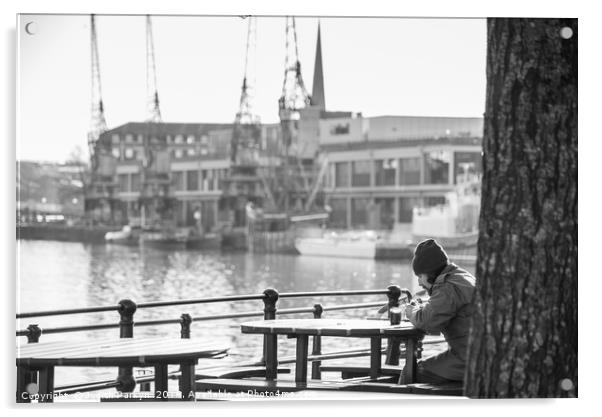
<point>142,352</point>
<point>301,329</point>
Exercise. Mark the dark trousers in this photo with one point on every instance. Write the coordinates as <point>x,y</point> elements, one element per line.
<point>442,368</point>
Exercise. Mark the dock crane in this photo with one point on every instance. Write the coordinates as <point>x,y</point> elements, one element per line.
<point>152,94</point>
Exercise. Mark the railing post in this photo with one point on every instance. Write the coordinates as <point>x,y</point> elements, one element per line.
<point>185,321</point>
<point>392,355</point>
<point>33,336</point>
<point>270,341</point>
<point>126,310</point>
<point>34,333</point>
<point>317,345</point>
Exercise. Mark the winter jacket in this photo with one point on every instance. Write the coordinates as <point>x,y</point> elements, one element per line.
<point>449,311</point>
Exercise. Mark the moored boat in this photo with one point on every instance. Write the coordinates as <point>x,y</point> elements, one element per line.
<point>348,244</point>
<point>164,238</point>
<point>128,235</point>
<point>455,223</point>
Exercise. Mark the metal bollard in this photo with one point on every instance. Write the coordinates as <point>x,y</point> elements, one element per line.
<point>270,341</point>
<point>317,345</point>
<point>126,310</point>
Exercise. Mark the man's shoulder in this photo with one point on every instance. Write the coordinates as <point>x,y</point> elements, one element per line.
<point>454,275</point>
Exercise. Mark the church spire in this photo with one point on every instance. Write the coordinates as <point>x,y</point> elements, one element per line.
<point>317,93</point>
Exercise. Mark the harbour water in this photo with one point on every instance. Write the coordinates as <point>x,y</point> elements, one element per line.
<point>61,275</point>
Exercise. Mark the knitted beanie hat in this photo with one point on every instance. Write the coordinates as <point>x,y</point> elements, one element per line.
<point>429,257</point>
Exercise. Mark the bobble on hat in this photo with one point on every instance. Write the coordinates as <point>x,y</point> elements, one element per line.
<point>429,257</point>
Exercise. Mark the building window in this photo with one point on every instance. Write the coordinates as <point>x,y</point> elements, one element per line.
<point>178,153</point>
<point>409,171</point>
<point>115,138</point>
<point>129,153</point>
<point>360,174</point>
<point>384,172</point>
<point>341,175</point>
<point>178,180</point>
<point>338,214</point>
<point>210,179</point>
<point>386,212</point>
<point>190,152</point>
<point>204,186</point>
<point>135,182</point>
<point>340,129</point>
<point>192,180</point>
<point>436,167</point>
<point>140,138</point>
<point>406,207</point>
<point>123,182</point>
<point>467,166</point>
<point>190,139</point>
<point>359,212</point>
<point>116,153</point>
<point>129,137</point>
<point>434,201</point>
<point>179,139</point>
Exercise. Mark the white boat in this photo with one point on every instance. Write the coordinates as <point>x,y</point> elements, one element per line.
<point>348,244</point>
<point>164,237</point>
<point>128,235</point>
<point>454,223</point>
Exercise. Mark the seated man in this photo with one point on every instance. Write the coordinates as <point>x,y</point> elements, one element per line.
<point>448,311</point>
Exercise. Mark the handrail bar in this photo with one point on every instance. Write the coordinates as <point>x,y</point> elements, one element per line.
<point>329,293</point>
<point>202,300</point>
<point>197,301</point>
<point>68,329</point>
<point>69,311</point>
<point>141,305</point>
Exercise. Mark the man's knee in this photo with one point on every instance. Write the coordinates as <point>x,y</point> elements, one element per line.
<point>424,373</point>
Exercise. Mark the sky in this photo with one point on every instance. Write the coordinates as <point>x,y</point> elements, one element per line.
<point>376,66</point>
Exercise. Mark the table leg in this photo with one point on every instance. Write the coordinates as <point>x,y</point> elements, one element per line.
<point>410,368</point>
<point>316,350</point>
<point>161,381</point>
<point>46,384</point>
<point>301,361</point>
<point>187,381</point>
<point>271,357</point>
<point>375,357</point>
<point>393,351</point>
<point>23,379</point>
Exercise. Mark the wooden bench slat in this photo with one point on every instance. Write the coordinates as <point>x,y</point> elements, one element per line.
<point>114,352</point>
<point>237,372</point>
<point>241,385</point>
<point>347,371</point>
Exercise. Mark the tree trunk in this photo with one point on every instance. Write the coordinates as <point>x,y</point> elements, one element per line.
<point>524,336</point>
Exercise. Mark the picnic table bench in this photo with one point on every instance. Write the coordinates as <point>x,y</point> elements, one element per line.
<point>301,329</point>
<point>144,352</point>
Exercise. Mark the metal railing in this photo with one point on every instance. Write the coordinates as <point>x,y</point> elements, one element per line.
<point>127,309</point>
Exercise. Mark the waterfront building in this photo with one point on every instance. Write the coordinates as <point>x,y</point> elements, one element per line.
<point>380,168</point>
<point>50,192</point>
<point>170,171</point>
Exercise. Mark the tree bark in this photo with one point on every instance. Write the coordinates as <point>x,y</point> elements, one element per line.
<point>523,341</point>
